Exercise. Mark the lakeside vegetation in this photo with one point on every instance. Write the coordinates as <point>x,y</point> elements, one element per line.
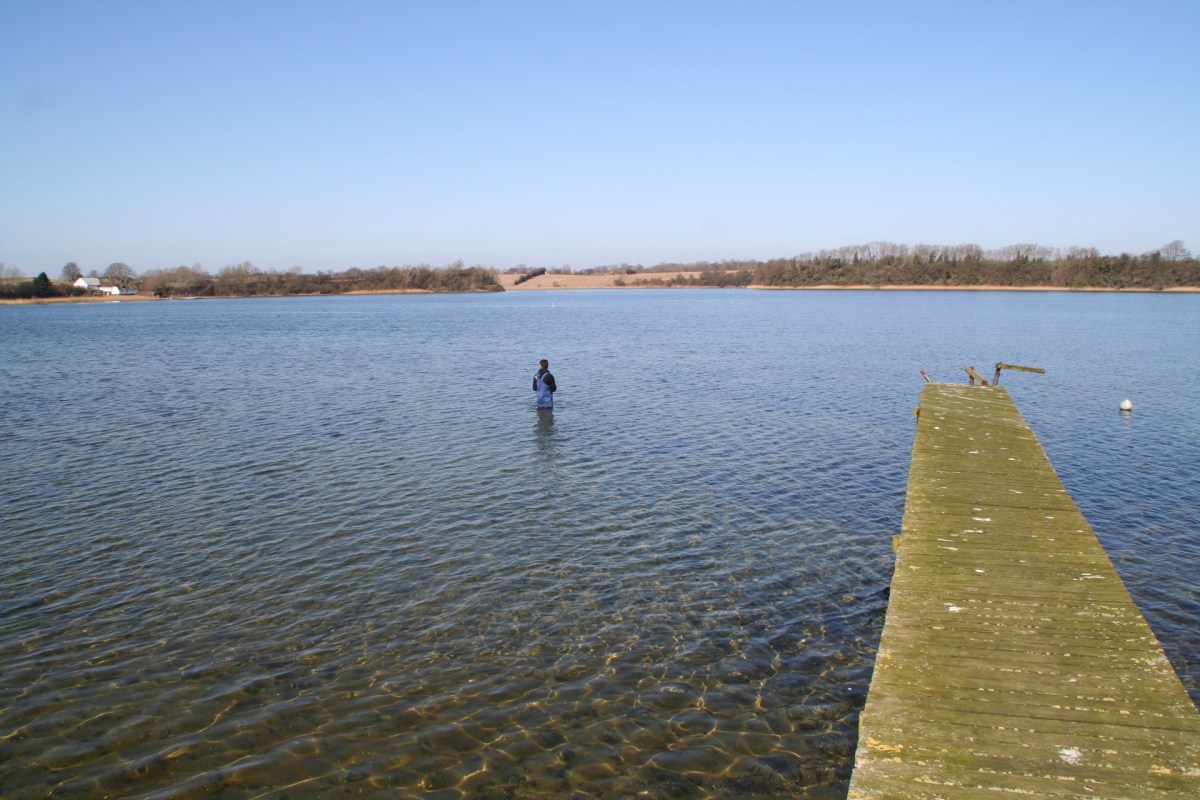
<point>245,280</point>
<point>877,264</point>
<point>890,264</point>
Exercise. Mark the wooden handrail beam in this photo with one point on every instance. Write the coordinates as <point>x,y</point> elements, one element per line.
<point>1017,367</point>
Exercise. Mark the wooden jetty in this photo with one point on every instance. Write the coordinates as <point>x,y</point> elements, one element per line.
<point>1013,661</point>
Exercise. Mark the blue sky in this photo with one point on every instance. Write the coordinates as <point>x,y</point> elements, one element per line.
<point>329,135</point>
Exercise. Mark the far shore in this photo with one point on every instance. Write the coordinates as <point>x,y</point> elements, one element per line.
<point>87,298</point>
<point>640,280</point>
<point>104,298</point>
<point>657,280</point>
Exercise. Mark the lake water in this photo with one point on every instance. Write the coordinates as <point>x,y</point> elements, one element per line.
<point>327,547</point>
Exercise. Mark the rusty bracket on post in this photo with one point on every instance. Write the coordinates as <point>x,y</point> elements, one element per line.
<point>1017,367</point>
<point>973,376</point>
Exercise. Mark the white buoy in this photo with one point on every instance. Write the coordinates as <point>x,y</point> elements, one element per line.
<point>1127,405</point>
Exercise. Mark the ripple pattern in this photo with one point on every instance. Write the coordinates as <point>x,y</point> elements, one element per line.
<point>326,547</point>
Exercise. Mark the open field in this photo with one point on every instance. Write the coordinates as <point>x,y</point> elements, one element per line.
<point>552,281</point>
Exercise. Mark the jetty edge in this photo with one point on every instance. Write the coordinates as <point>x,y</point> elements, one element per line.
<point>1013,661</point>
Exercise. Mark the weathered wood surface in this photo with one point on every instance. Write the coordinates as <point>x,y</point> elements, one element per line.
<point>1013,661</point>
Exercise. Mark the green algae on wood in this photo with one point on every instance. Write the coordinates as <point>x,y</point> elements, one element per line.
<point>1013,661</point>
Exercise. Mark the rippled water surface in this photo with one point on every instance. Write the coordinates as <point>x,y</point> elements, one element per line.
<point>326,547</point>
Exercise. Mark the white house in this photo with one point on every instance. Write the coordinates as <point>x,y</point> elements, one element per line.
<point>93,285</point>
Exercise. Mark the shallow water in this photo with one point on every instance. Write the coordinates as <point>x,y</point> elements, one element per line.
<point>323,547</point>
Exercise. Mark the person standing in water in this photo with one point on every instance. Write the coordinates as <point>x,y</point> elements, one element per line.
<point>543,384</point>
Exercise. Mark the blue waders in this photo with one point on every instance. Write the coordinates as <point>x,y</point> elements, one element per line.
<point>545,397</point>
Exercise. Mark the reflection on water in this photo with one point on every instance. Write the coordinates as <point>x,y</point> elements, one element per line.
<point>545,422</point>
<point>304,561</point>
<point>544,437</point>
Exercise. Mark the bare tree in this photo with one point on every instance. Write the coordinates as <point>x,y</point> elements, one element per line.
<point>237,278</point>
<point>71,272</point>
<point>1175,251</point>
<point>119,274</point>
<point>965,252</point>
<point>925,253</point>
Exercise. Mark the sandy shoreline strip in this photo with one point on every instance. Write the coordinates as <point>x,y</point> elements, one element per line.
<point>917,287</point>
<point>103,298</point>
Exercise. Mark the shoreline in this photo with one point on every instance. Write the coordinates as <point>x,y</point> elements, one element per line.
<point>981,288</point>
<point>141,298</point>
<point>550,283</point>
<point>656,280</point>
<point>29,301</point>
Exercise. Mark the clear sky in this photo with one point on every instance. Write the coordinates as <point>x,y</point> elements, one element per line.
<point>328,135</point>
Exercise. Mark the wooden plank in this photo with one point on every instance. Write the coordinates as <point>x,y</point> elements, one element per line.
<point>1013,660</point>
<point>1019,368</point>
<point>1015,368</point>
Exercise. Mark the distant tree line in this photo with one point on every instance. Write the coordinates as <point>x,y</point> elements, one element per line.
<point>14,287</point>
<point>872,264</point>
<point>246,280</point>
<point>18,288</point>
<point>718,277</point>
<point>889,264</point>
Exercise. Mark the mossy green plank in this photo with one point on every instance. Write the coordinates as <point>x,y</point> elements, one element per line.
<point>930,779</point>
<point>1013,661</point>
